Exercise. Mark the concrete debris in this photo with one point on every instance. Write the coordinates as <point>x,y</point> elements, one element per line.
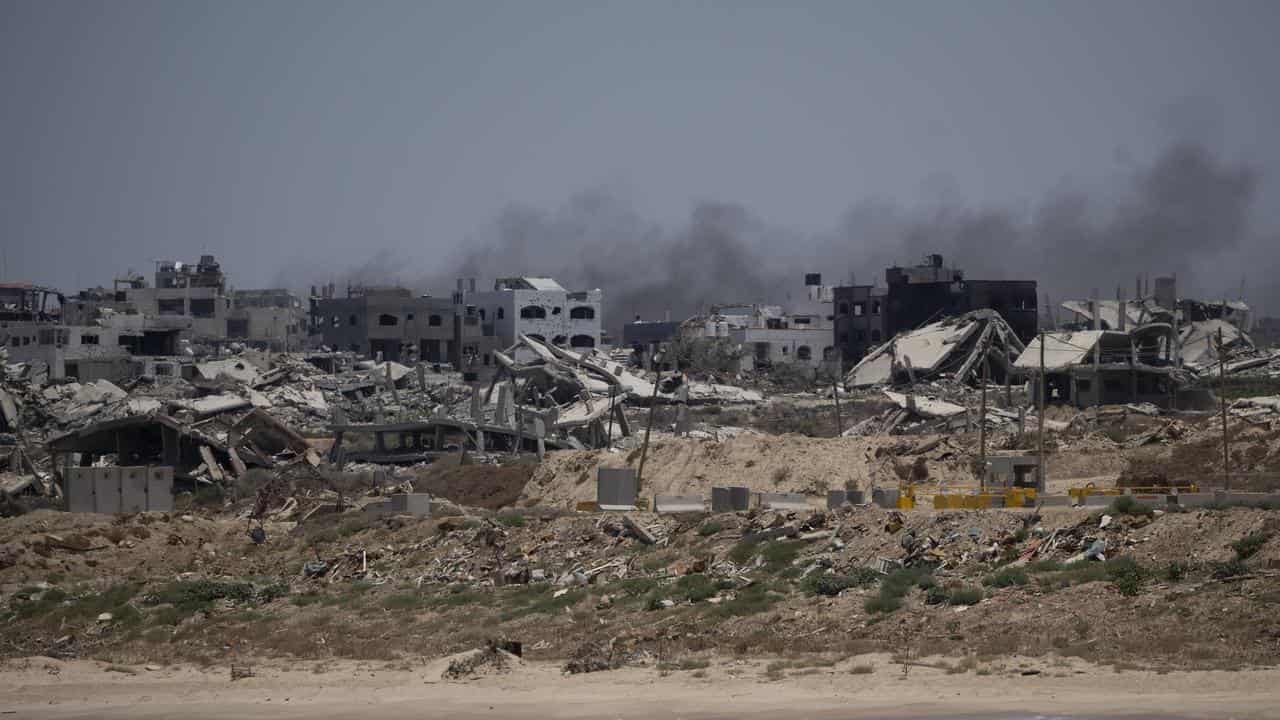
<point>950,349</point>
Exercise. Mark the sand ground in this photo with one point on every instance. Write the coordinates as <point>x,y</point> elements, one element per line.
<point>45,688</point>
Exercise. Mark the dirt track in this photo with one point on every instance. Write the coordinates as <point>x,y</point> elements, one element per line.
<point>44,688</point>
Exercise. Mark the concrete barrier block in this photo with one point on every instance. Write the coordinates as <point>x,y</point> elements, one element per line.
<point>375,510</point>
<point>133,489</point>
<point>836,498</point>
<point>1193,499</point>
<point>720,500</point>
<point>1054,500</point>
<point>784,501</point>
<point>678,504</point>
<point>411,504</point>
<point>160,489</point>
<point>1098,500</point>
<point>79,489</point>
<point>616,488</point>
<point>885,497</point>
<point>106,490</point>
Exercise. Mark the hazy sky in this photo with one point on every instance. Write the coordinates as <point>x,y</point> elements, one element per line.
<point>314,134</point>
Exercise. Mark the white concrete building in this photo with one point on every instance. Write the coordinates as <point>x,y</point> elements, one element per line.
<point>541,309</point>
<point>802,332</point>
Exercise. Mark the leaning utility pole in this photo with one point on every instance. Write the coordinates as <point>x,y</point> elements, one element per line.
<point>982,425</point>
<point>644,448</point>
<point>1222,401</point>
<point>1044,483</point>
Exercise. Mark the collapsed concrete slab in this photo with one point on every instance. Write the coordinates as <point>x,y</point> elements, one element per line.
<point>951,348</point>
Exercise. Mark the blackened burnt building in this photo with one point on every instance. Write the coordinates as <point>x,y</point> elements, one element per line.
<point>913,296</point>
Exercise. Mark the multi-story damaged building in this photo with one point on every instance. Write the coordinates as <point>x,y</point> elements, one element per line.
<point>1143,350</point>
<point>394,324</point>
<point>272,319</point>
<point>800,333</point>
<point>917,295</point>
<point>32,330</point>
<point>543,310</point>
<point>190,301</point>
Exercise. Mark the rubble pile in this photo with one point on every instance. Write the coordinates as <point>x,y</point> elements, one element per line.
<point>952,349</point>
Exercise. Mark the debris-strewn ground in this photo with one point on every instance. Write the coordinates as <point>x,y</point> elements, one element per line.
<point>1180,590</point>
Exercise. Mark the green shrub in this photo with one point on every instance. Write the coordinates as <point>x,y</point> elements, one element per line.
<point>1006,577</point>
<point>900,581</point>
<point>1126,574</point>
<point>1175,571</point>
<point>749,601</point>
<point>273,592</point>
<point>882,603</point>
<point>25,607</point>
<point>968,595</point>
<point>1126,505</point>
<point>895,586</point>
<point>696,588</point>
<point>963,595</point>
<point>199,593</point>
<point>636,586</point>
<point>743,551</point>
<point>1231,568</point>
<point>709,528</point>
<point>511,519</point>
<point>209,496</point>
<point>1249,545</point>
<point>779,554</point>
<point>830,585</point>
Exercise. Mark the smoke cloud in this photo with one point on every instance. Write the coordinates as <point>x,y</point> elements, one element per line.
<point>1187,212</point>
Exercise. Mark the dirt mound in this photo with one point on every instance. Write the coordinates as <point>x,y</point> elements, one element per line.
<point>787,463</point>
<point>483,486</point>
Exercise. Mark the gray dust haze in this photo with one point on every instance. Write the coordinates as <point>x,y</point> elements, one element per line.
<point>674,154</point>
<point>1187,213</point>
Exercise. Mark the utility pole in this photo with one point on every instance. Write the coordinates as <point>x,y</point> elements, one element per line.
<point>835,392</point>
<point>1040,418</point>
<point>653,403</point>
<point>1222,401</point>
<point>982,426</point>
<point>609,435</point>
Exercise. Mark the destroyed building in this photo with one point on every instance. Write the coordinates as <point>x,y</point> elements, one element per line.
<point>541,309</point>
<point>1105,367</point>
<point>921,294</point>
<point>33,330</point>
<point>1147,350</point>
<point>189,303</point>
<point>952,349</point>
<point>800,333</point>
<point>271,319</point>
<point>400,327</point>
<point>645,338</point>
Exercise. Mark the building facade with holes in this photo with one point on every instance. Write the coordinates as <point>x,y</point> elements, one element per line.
<point>396,325</point>
<point>800,333</point>
<point>543,310</point>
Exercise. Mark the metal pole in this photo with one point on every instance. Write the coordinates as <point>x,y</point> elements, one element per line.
<point>609,436</point>
<point>982,429</point>
<point>835,392</point>
<point>644,448</point>
<point>1040,419</point>
<point>1222,401</point>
